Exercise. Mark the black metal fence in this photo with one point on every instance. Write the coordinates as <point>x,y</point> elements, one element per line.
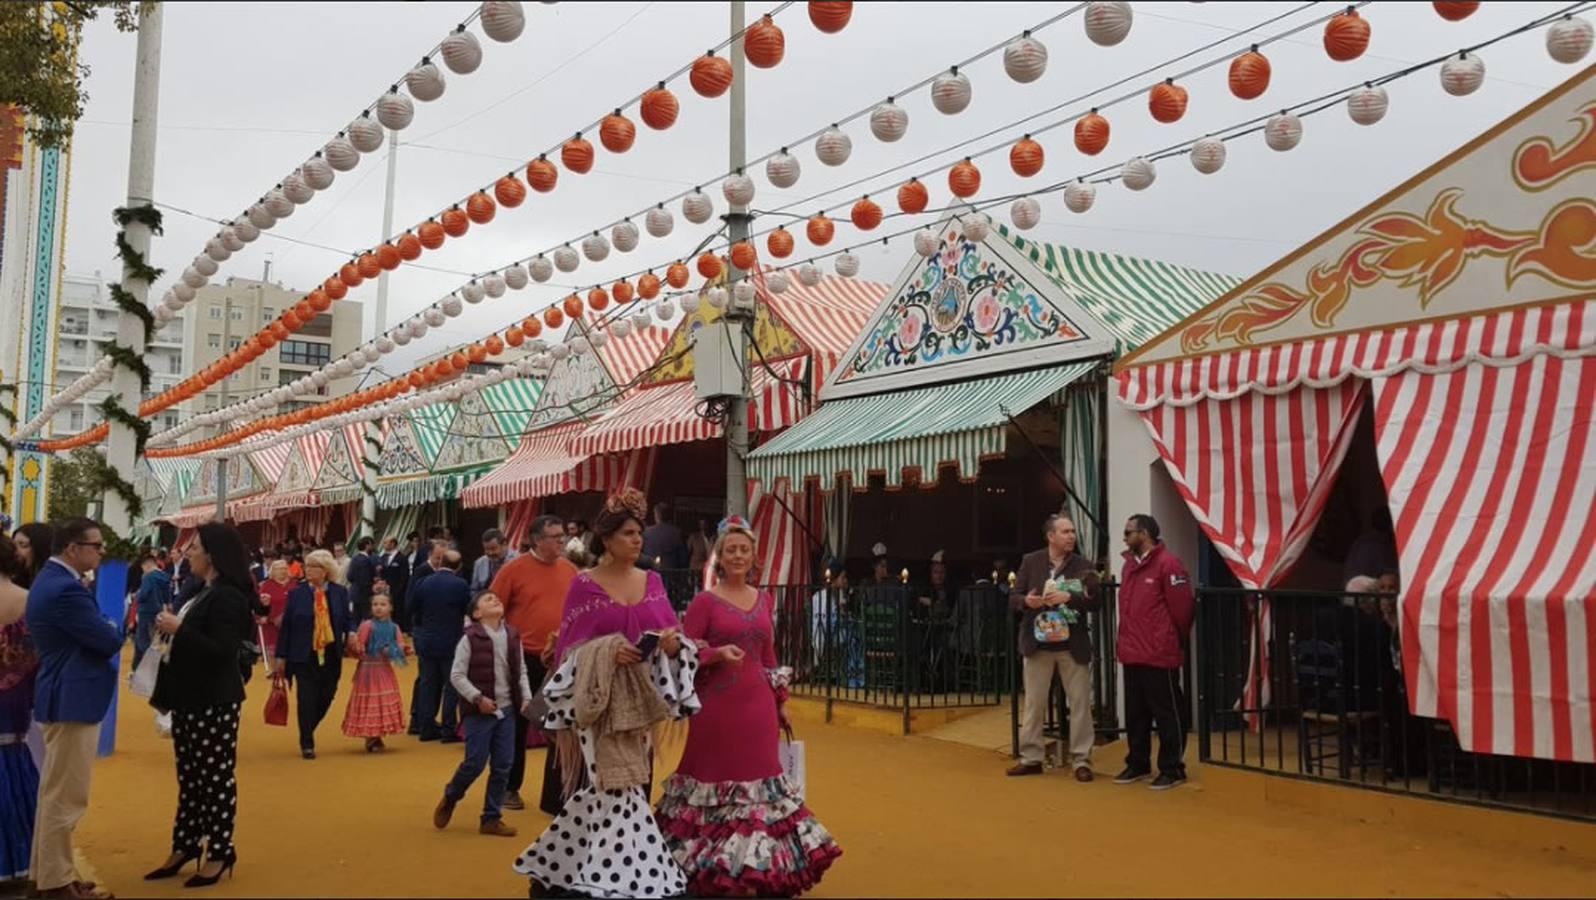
<point>1319,694</point>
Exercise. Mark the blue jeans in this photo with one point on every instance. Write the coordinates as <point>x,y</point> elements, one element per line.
<point>489,741</point>
<point>432,690</point>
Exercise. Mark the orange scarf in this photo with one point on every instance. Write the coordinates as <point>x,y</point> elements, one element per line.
<point>323,634</point>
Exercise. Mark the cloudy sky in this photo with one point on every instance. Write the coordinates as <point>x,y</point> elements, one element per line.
<point>249,90</point>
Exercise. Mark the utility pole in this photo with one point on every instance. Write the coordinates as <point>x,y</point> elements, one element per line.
<point>737,220</point>
<point>121,446</point>
<point>221,427</point>
<point>370,433</point>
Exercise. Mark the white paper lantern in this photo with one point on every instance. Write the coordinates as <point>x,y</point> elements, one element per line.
<point>1283,132</point>
<point>659,221</point>
<point>743,294</point>
<point>624,236</point>
<point>163,315</point>
<point>503,20</point>
<point>690,303</point>
<point>1208,155</point>
<point>540,267</point>
<point>494,285</point>
<point>578,345</point>
<point>716,297</point>
<point>318,379</point>
<point>697,207</point>
<point>261,217</point>
<point>452,305</point>
<point>516,277</point>
<point>559,351</point>
<point>384,344</point>
<point>833,146</point>
<point>1025,213</point>
<point>621,328</point>
<point>434,317</point>
<point>808,275</point>
<point>1462,74</point>
<point>927,242</point>
<point>400,335</point>
<point>278,204</point>
<point>172,302</point>
<point>473,291</point>
<point>183,291</point>
<point>246,230</point>
<point>565,259</point>
<point>205,266</point>
<point>317,173</point>
<point>596,247</point>
<point>888,121</point>
<point>1107,23</point>
<point>738,189</point>
<point>193,278</point>
<point>778,282</point>
<point>977,225</point>
<point>341,154</point>
<point>599,338</point>
<point>455,391</point>
<point>365,133</point>
<point>665,310</point>
<point>1138,174</point>
<point>461,52</point>
<point>395,111</point>
<point>1569,39</point>
<point>216,251</point>
<point>642,320</point>
<point>1367,104</point>
<point>370,353</point>
<point>527,366</point>
<point>847,265</point>
<point>296,189</point>
<point>1025,59</point>
<point>950,92</point>
<point>230,239</point>
<point>425,82</point>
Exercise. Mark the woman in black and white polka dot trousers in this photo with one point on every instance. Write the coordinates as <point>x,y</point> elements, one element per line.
<point>202,686</point>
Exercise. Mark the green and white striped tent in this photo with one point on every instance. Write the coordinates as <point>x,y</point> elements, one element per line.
<point>457,443</point>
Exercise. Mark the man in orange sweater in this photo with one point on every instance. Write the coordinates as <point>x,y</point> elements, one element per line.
<point>533,587</point>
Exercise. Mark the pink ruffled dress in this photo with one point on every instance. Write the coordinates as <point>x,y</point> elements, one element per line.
<point>733,821</point>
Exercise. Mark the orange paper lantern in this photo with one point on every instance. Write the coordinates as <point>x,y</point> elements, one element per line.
<point>709,265</point>
<point>494,345</point>
<point>409,247</point>
<point>335,288</point>
<point>780,243</point>
<point>676,275</point>
<point>304,310</point>
<point>866,214</point>
<point>830,17</point>
<point>1091,133</point>
<point>820,230</point>
<point>318,300</point>
<point>481,208</point>
<point>542,174</point>
<point>743,255</point>
<point>617,132</point>
<point>442,369</point>
<point>368,266</point>
<point>455,222</point>
<point>509,191</point>
<point>531,327</point>
<point>514,336</point>
<point>350,275</point>
<point>476,353</point>
<point>1455,10</point>
<point>764,44</point>
<point>577,155</point>
<point>964,179</point>
<point>622,291</point>
<point>267,339</point>
<point>388,257</point>
<point>659,108</point>
<point>279,330</point>
<point>711,75</point>
<point>431,234</point>
<point>597,300</point>
<point>460,362</point>
<point>1026,157</point>
<point>1167,102</point>
<point>1249,74</point>
<point>648,286</point>
<point>912,196</point>
<point>291,321</point>
<point>1346,36</point>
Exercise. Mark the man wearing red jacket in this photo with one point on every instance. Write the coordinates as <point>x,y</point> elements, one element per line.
<point>1156,607</point>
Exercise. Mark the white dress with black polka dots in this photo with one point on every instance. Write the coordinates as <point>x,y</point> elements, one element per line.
<point>605,843</point>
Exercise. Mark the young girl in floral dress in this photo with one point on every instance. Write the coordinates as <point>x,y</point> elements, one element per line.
<point>375,709</point>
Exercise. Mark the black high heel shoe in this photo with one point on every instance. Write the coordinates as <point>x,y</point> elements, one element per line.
<point>207,880</point>
<point>173,869</point>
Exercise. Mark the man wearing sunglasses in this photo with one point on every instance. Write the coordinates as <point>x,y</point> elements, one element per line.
<point>1156,607</point>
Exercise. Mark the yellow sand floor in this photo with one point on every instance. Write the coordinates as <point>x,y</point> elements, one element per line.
<point>915,816</point>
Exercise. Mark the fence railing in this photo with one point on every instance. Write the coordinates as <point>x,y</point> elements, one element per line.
<point>1319,694</point>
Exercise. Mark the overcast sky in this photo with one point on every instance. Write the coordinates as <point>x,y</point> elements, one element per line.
<point>249,90</point>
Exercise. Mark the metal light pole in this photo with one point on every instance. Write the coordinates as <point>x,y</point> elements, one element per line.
<point>737,220</point>
<point>221,427</point>
<point>372,430</point>
<point>121,446</point>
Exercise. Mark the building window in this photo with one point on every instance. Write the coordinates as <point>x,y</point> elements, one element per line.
<point>76,420</point>
<point>321,326</point>
<point>304,353</point>
<point>265,373</point>
<point>174,365</point>
<point>237,315</point>
<point>210,401</point>
<point>233,343</point>
<point>168,420</point>
<point>286,377</point>
<point>213,341</point>
<point>216,312</point>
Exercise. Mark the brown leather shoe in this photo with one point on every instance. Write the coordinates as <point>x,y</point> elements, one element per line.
<point>497,828</point>
<point>444,812</point>
<point>1023,768</point>
<point>1083,774</point>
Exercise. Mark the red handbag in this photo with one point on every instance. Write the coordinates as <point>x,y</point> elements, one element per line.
<point>277,702</point>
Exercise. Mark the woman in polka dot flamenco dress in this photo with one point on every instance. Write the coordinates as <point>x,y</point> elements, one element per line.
<point>604,842</point>
<point>735,824</point>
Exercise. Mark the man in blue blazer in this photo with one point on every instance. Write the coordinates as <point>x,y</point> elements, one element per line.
<point>441,603</point>
<point>76,682</point>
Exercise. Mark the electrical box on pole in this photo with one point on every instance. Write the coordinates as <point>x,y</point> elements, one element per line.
<point>718,360</point>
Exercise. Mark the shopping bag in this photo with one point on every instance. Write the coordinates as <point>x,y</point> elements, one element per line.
<point>277,702</point>
<point>792,764</point>
<point>149,668</point>
<point>163,725</point>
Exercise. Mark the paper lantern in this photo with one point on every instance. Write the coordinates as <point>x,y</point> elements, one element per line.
<point>764,44</point>
<point>617,132</point>
<point>1249,74</point>
<point>977,225</point>
<point>777,282</point>
<point>341,154</point>
<point>833,146</point>
<point>658,107</point>
<point>1107,23</point>
<point>514,336</point>
<point>1455,10</point>
<point>830,17</point>
<point>1025,213</point>
<point>912,196</point>
<point>676,275</point>
<point>503,20</point>
<point>194,278</point>
<point>866,214</point>
<point>531,327</point>
<point>1167,102</point>
<point>596,247</point>
<point>164,315</point>
<point>261,217</point>
<point>950,92</point>
<point>1208,155</point>
<point>648,286</point>
<point>246,230</point>
<point>540,268</point>
<point>621,328</point>
<point>598,299</point>
<point>1138,174</point>
<point>659,221</point>
<point>461,52</point>
<point>1025,58</point>
<point>808,274</point>
<point>927,242</point>
<point>743,255</point>
<point>409,247</point>
<point>215,251</point>
<point>690,303</point>
<point>480,208</point>
<point>572,306</point>
<point>395,111</point>
<point>566,259</point>
<point>371,353</point>
<point>493,285</point>
<point>779,243</point>
<point>318,174</point>
<point>278,204</point>
<point>509,191</point>
<point>697,207</point>
<point>1462,74</point>
<point>336,288</point>
<point>295,188</point>
<point>641,319</point>
<point>542,175</point>
<point>622,291</point>
<point>888,121</point>
<point>418,328</point>
<point>738,189</point>
<point>847,264</point>
<point>624,236</point>
<point>577,155</point>
<point>452,305</point>
<point>1367,104</point>
<point>1026,157</point>
<point>1283,132</point>
<point>964,179</point>
<point>455,222</point>
<point>1569,39</point>
<point>715,296</point>
<point>431,234</point>
<point>291,321</point>
<point>709,265</point>
<point>1091,133</point>
<point>1346,36</point>
<point>820,230</point>
<point>743,294</point>
<point>461,361</point>
<point>710,76</point>
<point>516,277</point>
<point>388,257</point>
<point>184,292</point>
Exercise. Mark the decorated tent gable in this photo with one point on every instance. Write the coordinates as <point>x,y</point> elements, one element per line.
<point>775,338</point>
<point>474,437</point>
<point>205,482</point>
<point>577,386</point>
<point>242,478</point>
<point>1502,222</point>
<point>339,468</point>
<point>401,456</point>
<point>297,472</point>
<point>432,424</point>
<point>512,404</point>
<point>970,309</point>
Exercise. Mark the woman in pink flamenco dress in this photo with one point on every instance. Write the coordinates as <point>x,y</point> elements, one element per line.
<point>733,821</point>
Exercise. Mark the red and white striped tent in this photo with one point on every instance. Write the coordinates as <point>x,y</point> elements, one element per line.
<point>1459,311</point>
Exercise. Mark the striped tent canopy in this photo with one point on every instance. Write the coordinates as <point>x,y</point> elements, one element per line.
<point>512,403</point>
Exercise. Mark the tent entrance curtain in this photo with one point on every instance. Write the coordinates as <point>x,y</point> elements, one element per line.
<point>518,518</point>
<point>1079,422</point>
<point>1491,471</point>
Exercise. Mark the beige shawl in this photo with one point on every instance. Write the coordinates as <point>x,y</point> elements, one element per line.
<point>617,705</point>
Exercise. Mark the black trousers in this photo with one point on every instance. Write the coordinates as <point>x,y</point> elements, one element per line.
<point>435,695</point>
<point>317,684</point>
<point>206,741</point>
<point>535,674</point>
<point>1153,699</point>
